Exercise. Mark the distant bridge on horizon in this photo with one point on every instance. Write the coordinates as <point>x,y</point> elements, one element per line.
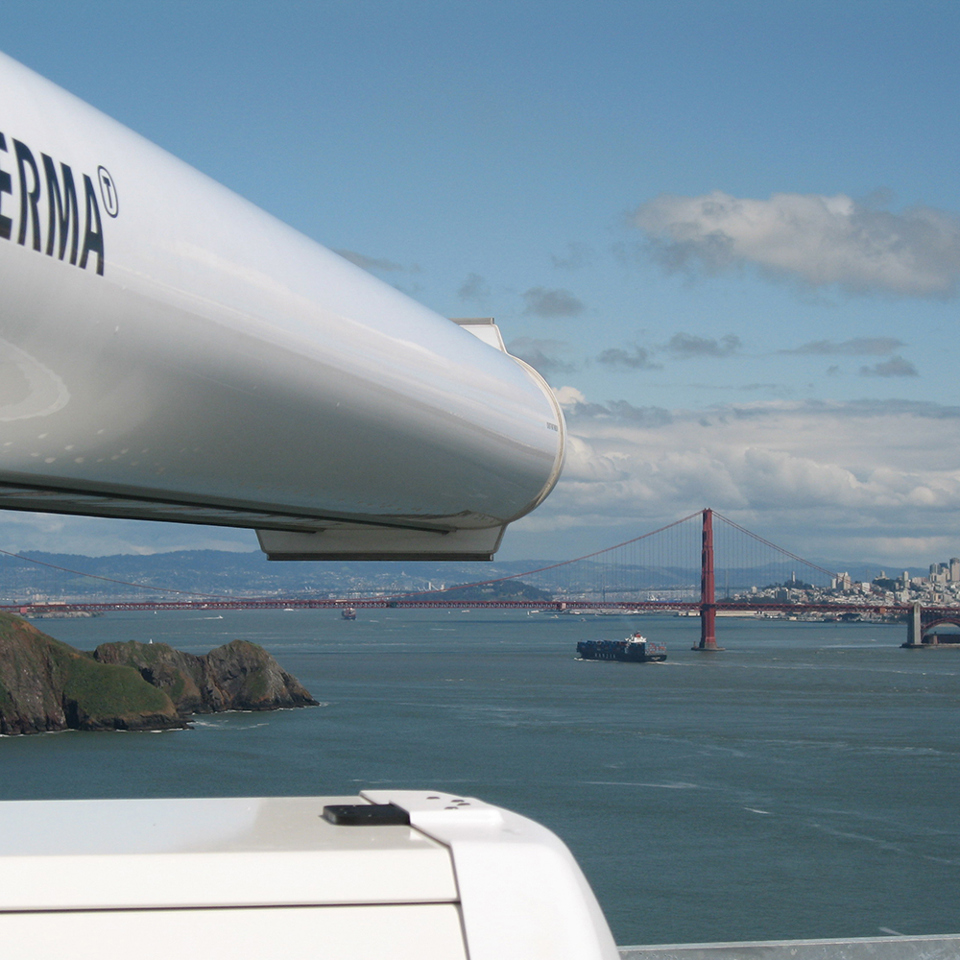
<point>673,569</point>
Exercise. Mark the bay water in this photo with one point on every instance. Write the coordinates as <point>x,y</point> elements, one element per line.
<point>802,783</point>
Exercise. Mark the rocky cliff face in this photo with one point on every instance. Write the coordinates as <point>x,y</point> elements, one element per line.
<point>237,676</point>
<point>48,685</point>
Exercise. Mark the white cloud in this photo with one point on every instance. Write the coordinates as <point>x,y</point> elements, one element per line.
<point>686,345</point>
<point>894,367</point>
<point>820,240</point>
<point>569,396</point>
<point>541,302</point>
<point>871,481</point>
<point>547,357</point>
<point>578,255</point>
<point>858,347</point>
<point>639,358</point>
<point>474,288</point>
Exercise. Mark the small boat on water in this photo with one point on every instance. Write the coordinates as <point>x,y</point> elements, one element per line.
<point>348,613</point>
<point>634,649</point>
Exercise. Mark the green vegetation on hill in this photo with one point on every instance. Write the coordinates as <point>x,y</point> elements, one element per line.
<point>102,690</point>
<point>48,685</point>
<point>240,675</point>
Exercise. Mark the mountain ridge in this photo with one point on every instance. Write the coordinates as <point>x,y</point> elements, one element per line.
<point>182,574</point>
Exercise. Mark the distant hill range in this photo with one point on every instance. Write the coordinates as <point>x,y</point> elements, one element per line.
<point>211,573</point>
<point>215,573</point>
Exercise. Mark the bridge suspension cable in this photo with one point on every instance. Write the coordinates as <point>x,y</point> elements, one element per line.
<point>662,565</point>
<point>773,546</point>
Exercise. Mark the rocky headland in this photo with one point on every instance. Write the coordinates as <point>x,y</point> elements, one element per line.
<point>47,685</point>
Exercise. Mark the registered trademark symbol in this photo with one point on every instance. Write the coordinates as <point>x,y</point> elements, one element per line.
<point>108,190</point>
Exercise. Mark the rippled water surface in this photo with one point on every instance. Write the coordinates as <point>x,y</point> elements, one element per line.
<point>803,783</point>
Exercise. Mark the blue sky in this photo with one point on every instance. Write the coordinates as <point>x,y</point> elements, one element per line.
<point>728,233</point>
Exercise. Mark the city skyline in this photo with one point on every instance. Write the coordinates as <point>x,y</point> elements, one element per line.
<point>728,235</point>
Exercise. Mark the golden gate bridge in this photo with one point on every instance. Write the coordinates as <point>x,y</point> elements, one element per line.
<point>703,564</point>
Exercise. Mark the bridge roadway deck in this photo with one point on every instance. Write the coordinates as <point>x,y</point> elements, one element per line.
<point>424,602</point>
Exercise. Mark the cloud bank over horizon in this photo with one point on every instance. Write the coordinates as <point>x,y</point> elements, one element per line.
<point>871,480</point>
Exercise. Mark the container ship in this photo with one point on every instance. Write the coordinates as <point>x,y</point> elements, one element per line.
<point>634,649</point>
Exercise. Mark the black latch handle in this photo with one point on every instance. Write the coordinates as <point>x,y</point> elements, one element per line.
<point>366,815</point>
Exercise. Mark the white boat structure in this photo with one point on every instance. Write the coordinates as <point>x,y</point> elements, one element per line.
<point>175,353</point>
<point>399,874</point>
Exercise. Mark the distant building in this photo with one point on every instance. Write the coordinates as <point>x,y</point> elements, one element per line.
<point>886,584</point>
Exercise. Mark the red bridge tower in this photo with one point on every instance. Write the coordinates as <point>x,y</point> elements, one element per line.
<point>708,599</point>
